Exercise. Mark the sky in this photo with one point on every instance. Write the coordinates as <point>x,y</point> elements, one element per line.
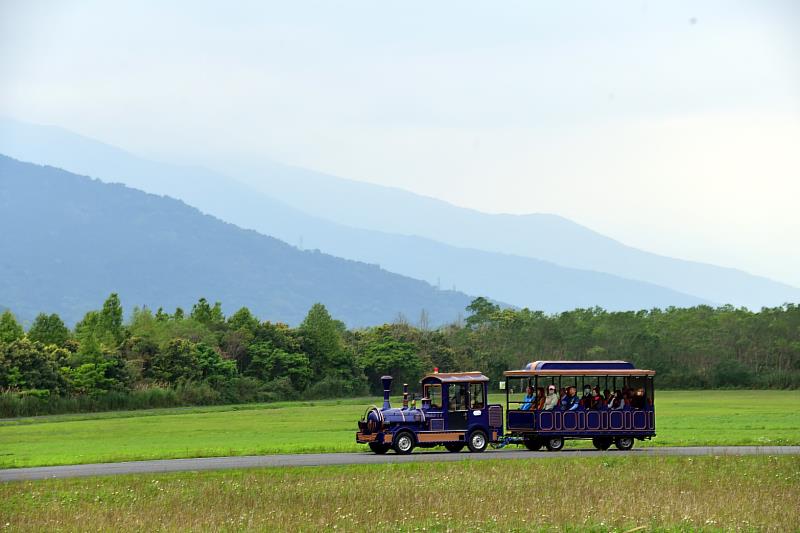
<point>671,126</point>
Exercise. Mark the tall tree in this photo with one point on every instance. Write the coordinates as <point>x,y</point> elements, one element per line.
<point>10,330</point>
<point>49,329</point>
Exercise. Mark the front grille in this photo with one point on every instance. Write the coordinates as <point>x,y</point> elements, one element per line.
<point>495,416</point>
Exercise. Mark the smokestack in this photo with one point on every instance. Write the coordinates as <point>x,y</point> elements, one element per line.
<point>405,395</point>
<point>387,388</point>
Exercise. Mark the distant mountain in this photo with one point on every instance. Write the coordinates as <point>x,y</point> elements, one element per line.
<point>69,241</point>
<point>520,281</point>
<point>543,236</point>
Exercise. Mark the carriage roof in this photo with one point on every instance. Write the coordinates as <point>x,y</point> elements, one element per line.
<point>455,377</point>
<point>579,368</point>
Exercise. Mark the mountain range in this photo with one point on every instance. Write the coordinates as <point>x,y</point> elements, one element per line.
<point>71,240</point>
<point>539,261</point>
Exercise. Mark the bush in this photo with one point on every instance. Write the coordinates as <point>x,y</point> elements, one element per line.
<point>335,387</point>
<point>192,393</point>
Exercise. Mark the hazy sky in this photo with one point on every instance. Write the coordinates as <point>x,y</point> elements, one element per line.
<point>671,126</point>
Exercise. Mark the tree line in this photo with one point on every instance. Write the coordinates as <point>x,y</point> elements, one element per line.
<point>203,357</point>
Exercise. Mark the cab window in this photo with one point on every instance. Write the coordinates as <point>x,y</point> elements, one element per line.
<point>476,399</point>
<point>434,392</point>
<point>457,397</point>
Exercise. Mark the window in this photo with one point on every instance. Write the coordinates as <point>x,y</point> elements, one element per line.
<point>476,399</point>
<point>434,392</point>
<point>457,397</point>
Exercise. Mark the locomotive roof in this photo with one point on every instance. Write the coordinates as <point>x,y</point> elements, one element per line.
<point>455,377</point>
<point>579,368</point>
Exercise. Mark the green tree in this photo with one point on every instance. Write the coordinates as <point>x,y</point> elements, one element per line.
<point>322,339</point>
<point>110,320</point>
<point>269,363</point>
<point>49,329</point>
<point>177,361</point>
<point>25,365</point>
<point>10,330</point>
<point>481,312</point>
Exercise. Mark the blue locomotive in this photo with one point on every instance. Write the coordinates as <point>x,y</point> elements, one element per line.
<point>453,413</point>
<point>615,407</point>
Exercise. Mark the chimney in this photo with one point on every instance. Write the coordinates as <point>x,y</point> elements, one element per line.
<point>387,388</point>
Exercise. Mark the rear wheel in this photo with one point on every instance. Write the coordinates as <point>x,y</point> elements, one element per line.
<point>454,447</point>
<point>403,443</point>
<point>378,448</point>
<point>624,443</point>
<point>532,443</point>
<point>477,441</point>
<point>555,444</point>
<point>602,443</point>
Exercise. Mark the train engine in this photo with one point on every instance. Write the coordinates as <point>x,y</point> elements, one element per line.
<point>453,413</point>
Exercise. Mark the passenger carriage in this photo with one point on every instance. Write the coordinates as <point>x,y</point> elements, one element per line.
<point>600,423</point>
<point>453,413</point>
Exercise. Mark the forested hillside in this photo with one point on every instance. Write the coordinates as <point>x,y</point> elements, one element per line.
<point>201,356</point>
<point>68,241</point>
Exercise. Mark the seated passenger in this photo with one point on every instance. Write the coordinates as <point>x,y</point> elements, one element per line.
<point>540,397</point>
<point>639,400</point>
<point>606,396</point>
<point>527,401</point>
<point>571,401</point>
<point>616,402</point>
<point>551,400</point>
<point>597,400</point>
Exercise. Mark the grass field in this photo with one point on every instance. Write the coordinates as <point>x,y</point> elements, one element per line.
<point>683,418</point>
<point>583,494</point>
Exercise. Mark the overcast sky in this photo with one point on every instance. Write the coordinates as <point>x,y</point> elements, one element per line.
<point>671,126</point>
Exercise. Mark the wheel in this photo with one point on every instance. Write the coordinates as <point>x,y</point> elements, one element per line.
<point>602,443</point>
<point>378,448</point>
<point>477,441</point>
<point>403,443</point>
<point>532,443</point>
<point>454,447</point>
<point>555,444</point>
<point>624,443</point>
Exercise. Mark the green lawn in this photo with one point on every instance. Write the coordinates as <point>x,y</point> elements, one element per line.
<point>683,418</point>
<point>618,493</point>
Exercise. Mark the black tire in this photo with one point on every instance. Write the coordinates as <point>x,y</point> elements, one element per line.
<point>534,444</point>
<point>623,443</point>
<point>602,443</point>
<point>454,447</point>
<point>477,441</point>
<point>378,447</point>
<point>555,444</point>
<point>403,442</point>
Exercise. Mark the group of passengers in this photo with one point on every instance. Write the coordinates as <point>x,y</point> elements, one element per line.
<point>567,399</point>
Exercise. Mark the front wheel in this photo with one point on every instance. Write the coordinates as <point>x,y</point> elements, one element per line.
<point>454,447</point>
<point>477,441</point>
<point>403,443</point>
<point>624,443</point>
<point>555,444</point>
<point>378,448</point>
<point>602,443</point>
<point>532,443</point>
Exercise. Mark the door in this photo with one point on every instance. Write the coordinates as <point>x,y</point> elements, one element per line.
<point>457,406</point>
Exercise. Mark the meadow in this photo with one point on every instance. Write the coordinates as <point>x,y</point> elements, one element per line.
<point>684,418</point>
<point>583,494</point>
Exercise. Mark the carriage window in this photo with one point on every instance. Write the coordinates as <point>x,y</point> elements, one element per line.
<point>434,392</point>
<point>476,398</point>
<point>457,397</point>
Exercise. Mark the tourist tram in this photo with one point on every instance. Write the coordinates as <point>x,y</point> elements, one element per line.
<point>454,410</point>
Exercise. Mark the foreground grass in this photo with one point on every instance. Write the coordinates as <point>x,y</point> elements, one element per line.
<point>683,418</point>
<point>599,494</point>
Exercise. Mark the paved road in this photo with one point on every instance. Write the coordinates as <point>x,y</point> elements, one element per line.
<point>322,459</point>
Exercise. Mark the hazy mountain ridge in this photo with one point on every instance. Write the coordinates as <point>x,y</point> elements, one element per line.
<point>543,236</point>
<point>75,240</point>
<point>517,280</point>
